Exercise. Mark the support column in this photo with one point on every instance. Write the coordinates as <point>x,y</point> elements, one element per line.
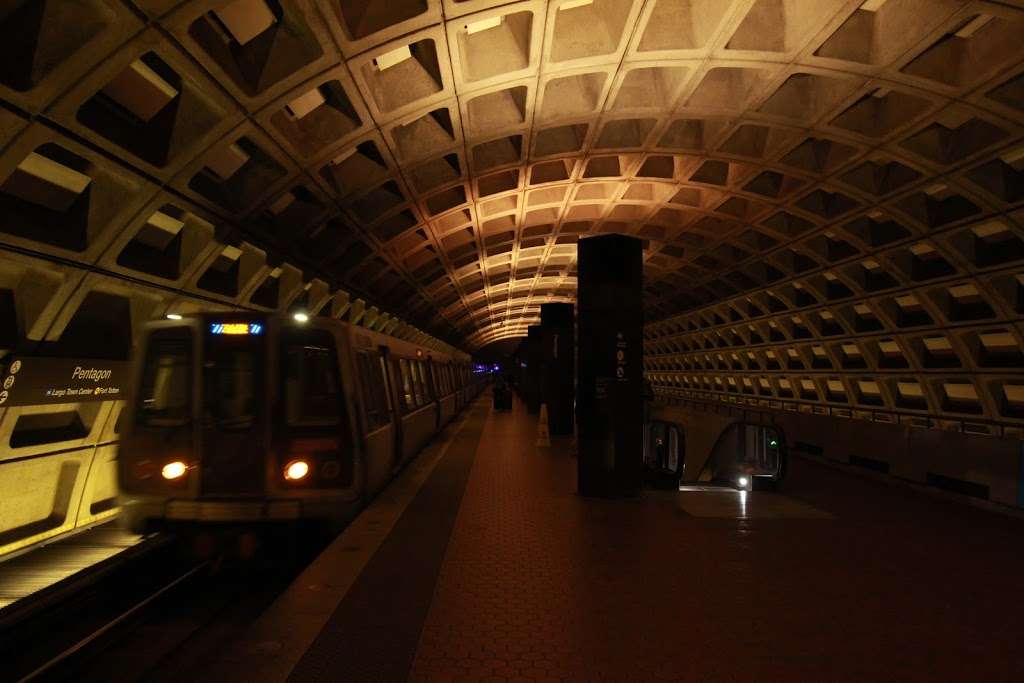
<point>532,373</point>
<point>558,385</point>
<point>609,405</point>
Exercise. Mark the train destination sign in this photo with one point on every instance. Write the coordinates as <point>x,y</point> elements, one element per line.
<point>27,380</point>
<point>244,329</point>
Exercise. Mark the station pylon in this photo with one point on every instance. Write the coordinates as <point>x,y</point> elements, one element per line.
<point>543,436</point>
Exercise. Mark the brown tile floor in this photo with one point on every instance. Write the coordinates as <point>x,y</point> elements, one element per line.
<point>836,578</point>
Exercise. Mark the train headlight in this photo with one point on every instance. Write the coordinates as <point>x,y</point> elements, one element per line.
<point>742,482</point>
<point>296,470</point>
<point>174,470</point>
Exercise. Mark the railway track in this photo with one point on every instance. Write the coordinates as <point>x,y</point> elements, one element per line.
<point>155,617</point>
<point>52,667</point>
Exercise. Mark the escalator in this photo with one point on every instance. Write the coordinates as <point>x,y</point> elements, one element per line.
<point>746,456</point>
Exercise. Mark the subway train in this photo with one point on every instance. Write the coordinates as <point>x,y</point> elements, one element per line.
<point>250,419</point>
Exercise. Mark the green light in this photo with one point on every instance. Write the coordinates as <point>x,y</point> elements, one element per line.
<point>773,443</point>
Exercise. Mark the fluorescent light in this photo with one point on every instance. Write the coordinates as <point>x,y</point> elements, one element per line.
<point>390,59</point>
<point>573,4</point>
<point>174,316</point>
<point>483,25</point>
<point>301,317</point>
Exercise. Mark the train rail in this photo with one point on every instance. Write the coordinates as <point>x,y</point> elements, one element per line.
<point>51,665</point>
<point>72,598</point>
<point>150,616</point>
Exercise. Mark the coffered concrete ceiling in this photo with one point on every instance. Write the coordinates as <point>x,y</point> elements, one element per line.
<point>440,159</point>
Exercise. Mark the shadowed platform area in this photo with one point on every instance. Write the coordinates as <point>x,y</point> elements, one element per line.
<point>497,570</point>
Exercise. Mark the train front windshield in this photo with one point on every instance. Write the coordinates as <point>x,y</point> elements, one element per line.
<point>229,386</point>
<point>165,393</point>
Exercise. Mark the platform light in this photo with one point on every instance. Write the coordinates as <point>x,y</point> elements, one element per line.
<point>296,470</point>
<point>743,481</point>
<point>174,316</point>
<point>300,317</point>
<point>174,470</point>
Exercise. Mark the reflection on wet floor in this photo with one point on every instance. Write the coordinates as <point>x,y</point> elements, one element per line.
<point>725,503</point>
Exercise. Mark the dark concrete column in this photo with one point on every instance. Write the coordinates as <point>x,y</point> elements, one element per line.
<point>609,405</point>
<point>558,384</point>
<point>532,372</point>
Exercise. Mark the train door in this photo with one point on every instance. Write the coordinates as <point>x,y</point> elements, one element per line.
<point>398,401</point>
<point>311,418</point>
<point>233,408</point>
<point>381,427</point>
<point>433,391</point>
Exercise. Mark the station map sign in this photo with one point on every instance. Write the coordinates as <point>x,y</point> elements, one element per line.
<point>27,380</point>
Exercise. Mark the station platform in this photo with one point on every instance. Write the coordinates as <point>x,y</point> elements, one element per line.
<point>482,563</point>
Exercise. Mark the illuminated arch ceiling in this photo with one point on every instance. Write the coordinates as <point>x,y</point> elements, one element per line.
<point>442,158</point>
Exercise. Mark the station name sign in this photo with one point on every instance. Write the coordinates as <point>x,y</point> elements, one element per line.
<point>27,380</point>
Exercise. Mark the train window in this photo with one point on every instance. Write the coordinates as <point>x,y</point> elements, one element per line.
<point>312,389</point>
<point>378,413</point>
<point>230,388</point>
<point>425,388</point>
<point>416,370</point>
<point>165,395</point>
<point>408,392</point>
